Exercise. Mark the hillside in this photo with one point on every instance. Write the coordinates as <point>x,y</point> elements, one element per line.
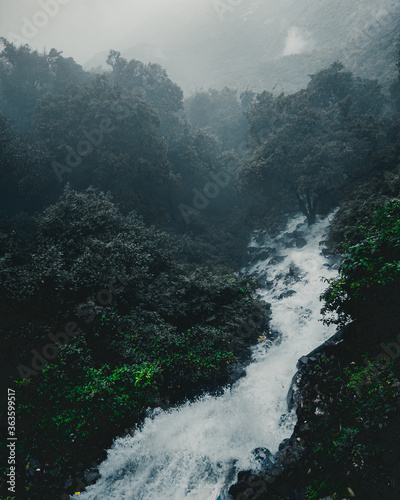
<point>287,42</point>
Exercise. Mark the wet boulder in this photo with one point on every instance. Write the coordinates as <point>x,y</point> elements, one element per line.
<point>277,260</point>
<point>301,362</point>
<point>301,242</point>
<point>91,476</point>
<point>288,293</point>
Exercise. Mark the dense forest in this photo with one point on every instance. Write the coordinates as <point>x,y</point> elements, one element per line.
<point>125,215</point>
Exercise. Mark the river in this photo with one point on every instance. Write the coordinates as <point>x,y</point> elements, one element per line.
<point>194,451</point>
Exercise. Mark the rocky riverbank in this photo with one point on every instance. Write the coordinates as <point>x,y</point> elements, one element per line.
<point>62,482</point>
<point>346,441</point>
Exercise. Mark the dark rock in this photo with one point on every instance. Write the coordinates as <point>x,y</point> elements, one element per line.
<point>256,275</point>
<point>284,295</point>
<point>68,483</point>
<point>325,252</point>
<point>288,240</point>
<point>266,459</point>
<point>284,444</point>
<point>262,255</point>
<point>305,427</point>
<point>301,242</point>
<point>292,395</point>
<point>277,259</point>
<point>91,476</point>
<point>302,361</point>
<point>244,475</point>
<point>294,272</point>
<point>238,371</point>
<point>277,470</point>
<point>261,454</point>
<point>289,397</point>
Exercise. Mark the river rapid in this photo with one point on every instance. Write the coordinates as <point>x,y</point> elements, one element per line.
<point>194,451</point>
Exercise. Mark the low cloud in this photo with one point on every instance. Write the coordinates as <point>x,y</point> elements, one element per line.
<point>297,41</point>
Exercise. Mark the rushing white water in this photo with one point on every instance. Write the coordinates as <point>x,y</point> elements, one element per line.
<point>189,452</point>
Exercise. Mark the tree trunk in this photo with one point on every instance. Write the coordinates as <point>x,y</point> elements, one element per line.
<point>308,205</point>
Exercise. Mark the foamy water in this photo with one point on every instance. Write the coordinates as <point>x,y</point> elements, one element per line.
<point>191,451</point>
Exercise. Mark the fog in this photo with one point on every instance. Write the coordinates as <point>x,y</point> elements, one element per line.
<point>167,171</point>
<point>81,28</point>
<point>297,42</point>
<point>201,43</point>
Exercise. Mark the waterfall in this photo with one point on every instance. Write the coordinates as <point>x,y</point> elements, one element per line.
<point>191,451</point>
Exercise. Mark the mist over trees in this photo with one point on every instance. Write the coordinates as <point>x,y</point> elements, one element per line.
<point>116,176</point>
<point>264,44</point>
<point>128,131</point>
<point>314,142</point>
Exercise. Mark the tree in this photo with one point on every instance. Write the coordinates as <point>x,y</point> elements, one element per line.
<point>354,95</point>
<point>26,75</point>
<point>152,83</point>
<point>99,134</point>
<point>368,285</point>
<point>221,112</point>
<point>312,143</point>
<point>20,182</point>
<point>395,88</point>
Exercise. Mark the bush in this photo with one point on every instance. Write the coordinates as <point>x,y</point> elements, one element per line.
<point>370,269</point>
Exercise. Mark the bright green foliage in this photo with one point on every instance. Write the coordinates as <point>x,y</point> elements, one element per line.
<point>81,400</point>
<point>358,409</point>
<point>369,273</point>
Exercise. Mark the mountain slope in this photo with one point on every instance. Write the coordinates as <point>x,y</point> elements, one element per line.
<point>262,45</point>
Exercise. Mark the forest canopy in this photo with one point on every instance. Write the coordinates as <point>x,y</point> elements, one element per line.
<point>126,212</point>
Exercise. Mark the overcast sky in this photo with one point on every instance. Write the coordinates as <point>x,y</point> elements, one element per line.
<point>82,28</point>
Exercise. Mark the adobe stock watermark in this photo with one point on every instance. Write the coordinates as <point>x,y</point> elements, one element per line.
<point>50,351</point>
<point>11,441</point>
<point>91,139</point>
<point>222,7</point>
<point>31,27</point>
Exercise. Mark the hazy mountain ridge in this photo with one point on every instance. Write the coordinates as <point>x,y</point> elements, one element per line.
<point>311,34</point>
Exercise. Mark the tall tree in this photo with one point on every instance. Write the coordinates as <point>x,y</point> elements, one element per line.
<point>26,75</point>
<point>152,83</point>
<point>99,134</point>
<point>314,142</point>
<point>221,111</point>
